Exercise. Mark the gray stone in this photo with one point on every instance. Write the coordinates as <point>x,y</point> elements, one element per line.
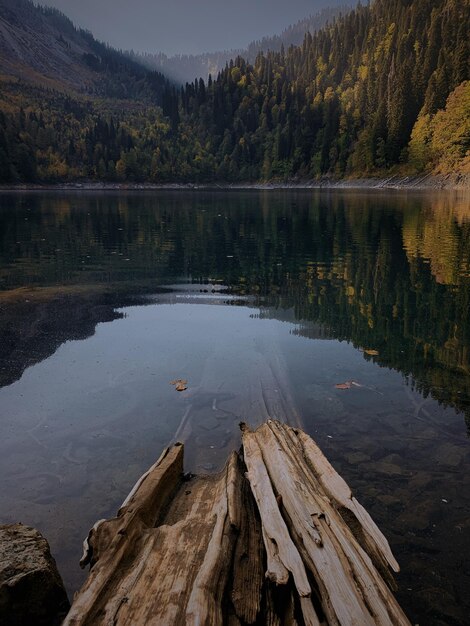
<point>31,589</point>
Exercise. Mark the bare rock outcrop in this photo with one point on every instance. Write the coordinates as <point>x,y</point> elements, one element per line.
<point>31,589</point>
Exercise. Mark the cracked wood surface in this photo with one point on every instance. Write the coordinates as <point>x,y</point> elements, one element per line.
<point>275,538</point>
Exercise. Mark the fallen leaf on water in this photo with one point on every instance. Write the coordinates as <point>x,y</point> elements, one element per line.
<point>347,385</point>
<point>180,384</point>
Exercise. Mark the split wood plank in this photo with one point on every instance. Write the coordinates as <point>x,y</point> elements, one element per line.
<point>351,589</point>
<point>265,542</point>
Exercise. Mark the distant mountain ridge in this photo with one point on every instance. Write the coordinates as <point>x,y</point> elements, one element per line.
<point>383,90</point>
<point>185,68</point>
<point>41,46</point>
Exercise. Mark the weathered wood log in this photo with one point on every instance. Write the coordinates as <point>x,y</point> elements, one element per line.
<point>351,590</point>
<point>276,538</point>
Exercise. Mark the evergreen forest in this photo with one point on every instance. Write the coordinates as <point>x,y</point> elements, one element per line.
<point>382,89</point>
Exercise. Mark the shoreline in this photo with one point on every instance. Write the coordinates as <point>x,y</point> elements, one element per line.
<point>417,183</point>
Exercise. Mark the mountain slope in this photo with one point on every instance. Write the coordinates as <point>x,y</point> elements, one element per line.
<point>344,102</point>
<point>384,90</point>
<point>41,46</point>
<point>185,68</point>
<point>35,45</point>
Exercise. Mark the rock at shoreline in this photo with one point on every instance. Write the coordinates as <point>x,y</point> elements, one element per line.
<point>31,589</point>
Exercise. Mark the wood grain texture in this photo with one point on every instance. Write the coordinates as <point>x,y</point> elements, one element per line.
<point>351,589</point>
<point>267,541</point>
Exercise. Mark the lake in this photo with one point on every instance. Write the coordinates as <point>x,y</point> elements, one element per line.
<point>264,301</point>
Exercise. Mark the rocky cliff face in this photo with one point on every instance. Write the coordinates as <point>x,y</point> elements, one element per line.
<point>41,47</point>
<point>44,47</point>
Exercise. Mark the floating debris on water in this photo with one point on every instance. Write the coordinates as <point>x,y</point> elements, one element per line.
<point>180,384</point>
<point>349,384</point>
<point>369,351</point>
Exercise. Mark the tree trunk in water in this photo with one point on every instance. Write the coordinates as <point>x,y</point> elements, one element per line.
<point>275,539</point>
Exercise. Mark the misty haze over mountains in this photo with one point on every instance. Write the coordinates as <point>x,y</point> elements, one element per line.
<point>188,27</point>
<point>185,68</point>
<point>42,45</point>
<point>382,89</point>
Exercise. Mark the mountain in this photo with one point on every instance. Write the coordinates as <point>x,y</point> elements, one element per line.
<point>346,102</point>
<point>184,68</point>
<point>294,34</point>
<point>383,90</point>
<point>41,47</point>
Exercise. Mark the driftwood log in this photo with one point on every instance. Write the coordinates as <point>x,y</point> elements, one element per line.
<point>275,539</point>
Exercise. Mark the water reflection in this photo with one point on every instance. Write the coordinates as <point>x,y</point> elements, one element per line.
<point>389,273</point>
<point>263,302</point>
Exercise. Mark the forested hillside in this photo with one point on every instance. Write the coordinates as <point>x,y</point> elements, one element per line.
<point>184,68</point>
<point>385,88</point>
<point>346,101</point>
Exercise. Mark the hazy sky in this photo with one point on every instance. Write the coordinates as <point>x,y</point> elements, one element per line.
<point>185,26</point>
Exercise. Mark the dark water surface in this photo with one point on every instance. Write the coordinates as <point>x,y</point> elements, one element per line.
<point>263,301</point>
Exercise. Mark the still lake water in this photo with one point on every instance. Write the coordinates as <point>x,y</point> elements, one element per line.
<point>263,301</point>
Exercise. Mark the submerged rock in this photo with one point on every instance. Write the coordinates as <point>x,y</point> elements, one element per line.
<point>31,589</point>
<point>450,455</point>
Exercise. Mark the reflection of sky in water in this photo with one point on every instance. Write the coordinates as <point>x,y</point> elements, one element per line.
<point>387,272</point>
<point>80,427</point>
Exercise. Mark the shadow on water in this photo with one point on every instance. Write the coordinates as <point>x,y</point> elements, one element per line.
<point>266,301</point>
